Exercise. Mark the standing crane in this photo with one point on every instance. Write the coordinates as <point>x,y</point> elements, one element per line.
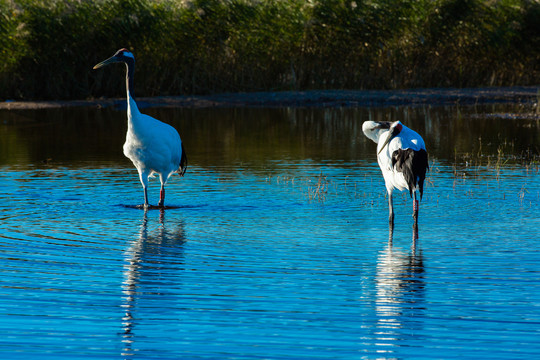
<point>403,159</point>
<point>153,146</point>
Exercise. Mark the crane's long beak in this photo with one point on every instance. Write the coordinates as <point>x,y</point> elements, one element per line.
<point>390,137</point>
<point>110,60</point>
<point>393,133</point>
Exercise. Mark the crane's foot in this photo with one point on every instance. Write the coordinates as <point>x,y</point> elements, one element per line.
<point>143,207</point>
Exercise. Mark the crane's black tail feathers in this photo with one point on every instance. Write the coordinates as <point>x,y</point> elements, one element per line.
<point>413,164</point>
<point>183,162</point>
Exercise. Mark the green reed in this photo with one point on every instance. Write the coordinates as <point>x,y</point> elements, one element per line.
<point>47,48</point>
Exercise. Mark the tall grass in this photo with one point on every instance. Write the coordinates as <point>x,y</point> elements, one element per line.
<point>47,48</point>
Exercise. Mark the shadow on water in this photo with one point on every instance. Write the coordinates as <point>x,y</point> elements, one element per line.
<point>149,261</point>
<point>161,208</point>
<point>152,207</point>
<point>400,293</point>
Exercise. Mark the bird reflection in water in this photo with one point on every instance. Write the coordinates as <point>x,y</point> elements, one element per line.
<point>152,257</point>
<point>400,294</point>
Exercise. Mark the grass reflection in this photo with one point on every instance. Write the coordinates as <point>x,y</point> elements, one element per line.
<point>260,140</point>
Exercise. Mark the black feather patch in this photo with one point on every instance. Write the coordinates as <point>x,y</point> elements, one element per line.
<point>413,164</point>
<point>183,162</point>
<point>383,125</point>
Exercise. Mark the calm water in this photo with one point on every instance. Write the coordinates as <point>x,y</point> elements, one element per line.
<point>279,246</point>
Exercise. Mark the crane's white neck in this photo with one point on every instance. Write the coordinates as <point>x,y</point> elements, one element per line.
<point>130,70</point>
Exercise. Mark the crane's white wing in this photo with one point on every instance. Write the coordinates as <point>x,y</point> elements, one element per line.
<point>153,145</point>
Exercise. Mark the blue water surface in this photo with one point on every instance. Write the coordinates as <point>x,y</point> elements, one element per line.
<point>252,262</point>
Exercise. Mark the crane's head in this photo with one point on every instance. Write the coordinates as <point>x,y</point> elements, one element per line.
<point>122,55</point>
<point>374,129</point>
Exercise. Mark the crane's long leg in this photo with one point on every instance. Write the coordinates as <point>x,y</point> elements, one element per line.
<point>390,209</point>
<point>143,176</point>
<point>145,196</point>
<point>416,206</point>
<point>163,180</point>
<point>162,195</point>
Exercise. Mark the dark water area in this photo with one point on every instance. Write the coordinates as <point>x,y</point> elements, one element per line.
<point>276,243</point>
<point>72,136</point>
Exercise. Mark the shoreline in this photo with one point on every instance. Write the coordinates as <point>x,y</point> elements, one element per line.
<point>310,98</point>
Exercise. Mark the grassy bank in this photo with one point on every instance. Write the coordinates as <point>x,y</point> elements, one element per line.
<point>47,48</point>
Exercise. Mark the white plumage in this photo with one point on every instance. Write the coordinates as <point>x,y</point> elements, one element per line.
<point>402,157</point>
<point>153,146</point>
